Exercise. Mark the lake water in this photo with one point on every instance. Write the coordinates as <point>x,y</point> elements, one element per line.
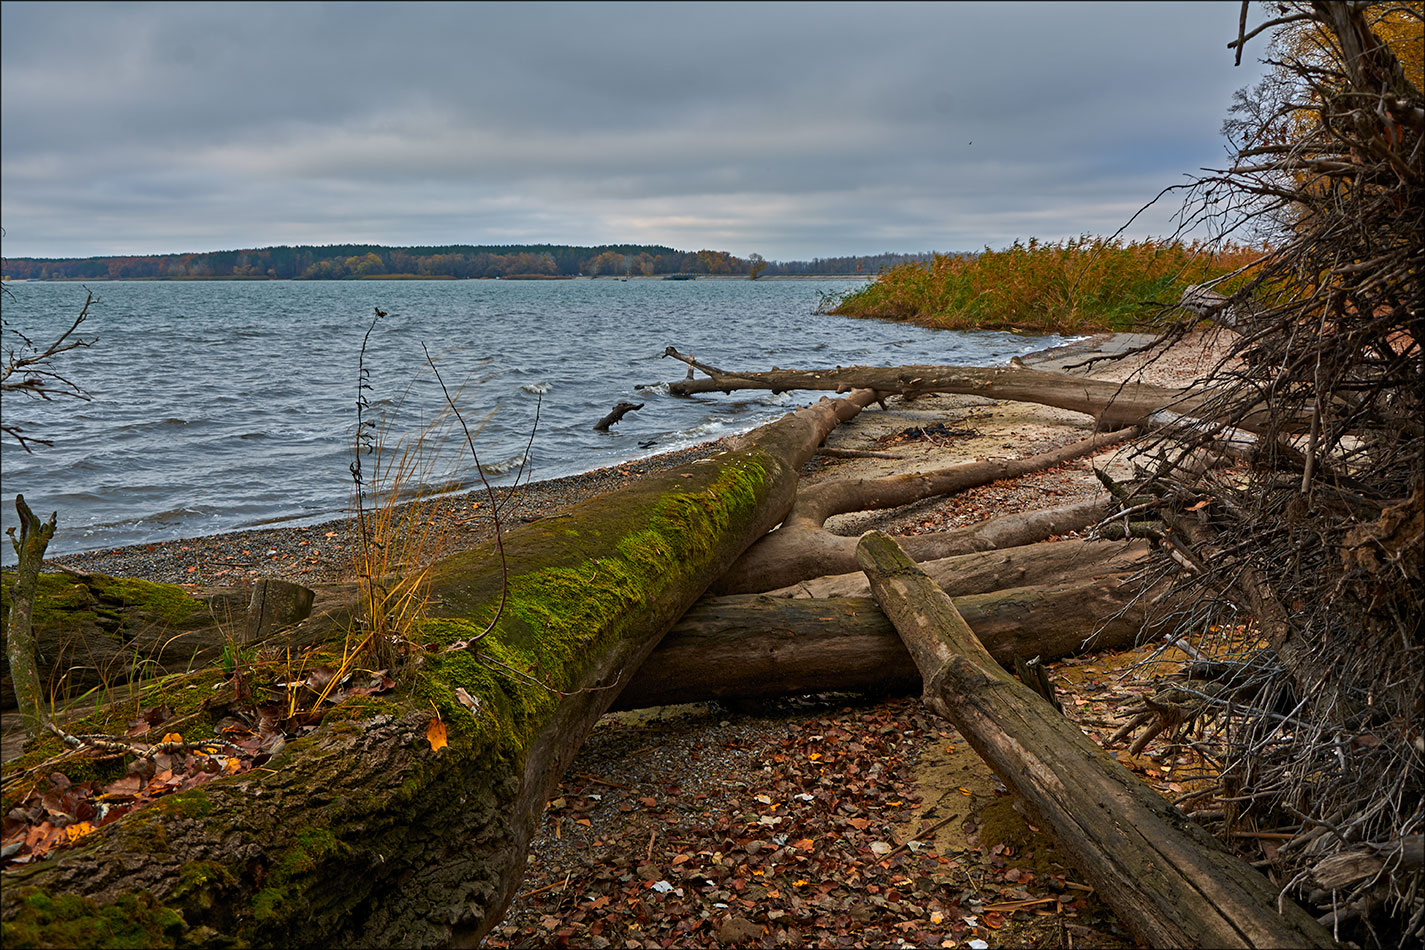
<point>226,405</point>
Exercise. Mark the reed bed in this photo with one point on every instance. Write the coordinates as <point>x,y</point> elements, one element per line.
<point>1085,284</point>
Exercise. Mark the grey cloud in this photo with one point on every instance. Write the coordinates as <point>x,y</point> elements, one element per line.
<point>790,129</point>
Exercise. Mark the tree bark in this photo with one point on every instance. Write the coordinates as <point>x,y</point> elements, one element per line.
<point>1169,881</point>
<point>19,637</point>
<point>362,834</point>
<point>753,646</point>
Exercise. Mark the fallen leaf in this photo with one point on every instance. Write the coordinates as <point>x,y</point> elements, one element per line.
<point>435,735</point>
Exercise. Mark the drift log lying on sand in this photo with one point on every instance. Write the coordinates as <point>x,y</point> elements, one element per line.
<point>753,646</point>
<point>802,547</point>
<point>362,833</point>
<point>999,568</point>
<point>1170,882</point>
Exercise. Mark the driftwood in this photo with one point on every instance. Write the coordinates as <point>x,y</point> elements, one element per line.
<point>617,413</point>
<point>1027,565</point>
<point>1113,405</point>
<point>139,642</point>
<point>803,548</point>
<point>163,629</point>
<point>1170,882</point>
<point>365,834</point>
<point>753,646</point>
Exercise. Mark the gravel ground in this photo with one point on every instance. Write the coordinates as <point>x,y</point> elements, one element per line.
<point>320,553</point>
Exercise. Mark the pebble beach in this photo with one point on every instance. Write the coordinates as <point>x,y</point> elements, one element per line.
<point>323,553</point>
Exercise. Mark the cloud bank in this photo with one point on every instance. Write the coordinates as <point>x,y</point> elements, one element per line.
<point>794,130</point>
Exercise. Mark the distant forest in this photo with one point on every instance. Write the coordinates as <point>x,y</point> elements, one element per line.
<point>356,261</point>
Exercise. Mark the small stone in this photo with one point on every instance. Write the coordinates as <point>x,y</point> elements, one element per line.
<point>737,930</point>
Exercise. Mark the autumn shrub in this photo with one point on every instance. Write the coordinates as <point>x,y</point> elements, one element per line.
<point>1080,285</point>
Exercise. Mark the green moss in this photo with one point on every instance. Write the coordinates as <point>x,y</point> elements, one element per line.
<point>64,603</point>
<point>193,803</point>
<point>570,599</point>
<point>133,920</point>
<point>284,884</point>
<point>166,603</point>
<point>203,886</point>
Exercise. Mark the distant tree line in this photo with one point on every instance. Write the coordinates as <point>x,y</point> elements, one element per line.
<point>356,261</point>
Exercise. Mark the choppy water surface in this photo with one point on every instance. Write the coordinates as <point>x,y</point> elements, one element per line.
<point>226,405</point>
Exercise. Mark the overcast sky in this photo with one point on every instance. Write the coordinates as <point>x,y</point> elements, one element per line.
<point>795,131</point>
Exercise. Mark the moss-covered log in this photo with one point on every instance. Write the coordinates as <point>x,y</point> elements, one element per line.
<point>360,834</point>
<point>91,630</point>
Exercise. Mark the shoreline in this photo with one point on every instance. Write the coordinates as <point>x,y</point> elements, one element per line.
<point>322,553</point>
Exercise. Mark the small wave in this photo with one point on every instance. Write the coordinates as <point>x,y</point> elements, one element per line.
<point>536,389</point>
<point>501,467</point>
<point>707,428</point>
<point>177,515</point>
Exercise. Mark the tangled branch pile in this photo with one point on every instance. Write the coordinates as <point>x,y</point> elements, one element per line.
<point>1315,528</point>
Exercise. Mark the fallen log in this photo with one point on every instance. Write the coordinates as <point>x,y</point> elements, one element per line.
<point>1078,583</point>
<point>1026,565</point>
<point>1169,881</point>
<point>813,551</point>
<point>1112,405</point>
<point>151,630</point>
<point>92,630</point>
<point>369,831</point>
<point>753,646</point>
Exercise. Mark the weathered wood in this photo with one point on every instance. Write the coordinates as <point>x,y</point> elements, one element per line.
<point>753,646</point>
<point>19,616</point>
<point>803,548</point>
<point>1112,405</point>
<point>819,552</point>
<point>1025,565</point>
<point>361,834</point>
<point>275,604</point>
<point>617,413</point>
<point>1170,882</point>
